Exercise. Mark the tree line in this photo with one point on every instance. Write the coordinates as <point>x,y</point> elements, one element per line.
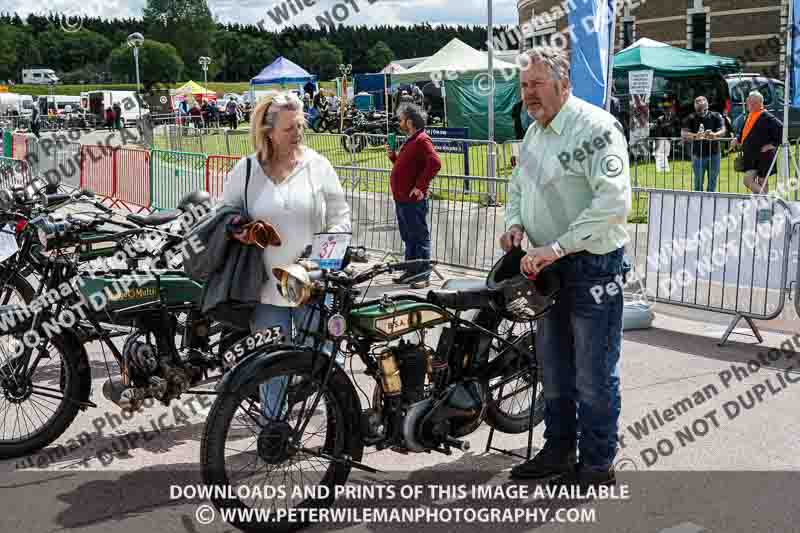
<point>178,32</point>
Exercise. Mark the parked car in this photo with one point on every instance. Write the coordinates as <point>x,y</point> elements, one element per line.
<point>740,85</point>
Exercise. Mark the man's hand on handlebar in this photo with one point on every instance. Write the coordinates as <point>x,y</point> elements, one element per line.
<point>512,238</point>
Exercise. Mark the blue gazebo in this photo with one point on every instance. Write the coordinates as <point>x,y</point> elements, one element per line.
<point>281,72</point>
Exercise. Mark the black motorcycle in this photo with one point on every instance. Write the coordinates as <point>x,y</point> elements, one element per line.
<point>309,427</point>
<point>45,373</point>
<point>369,130</point>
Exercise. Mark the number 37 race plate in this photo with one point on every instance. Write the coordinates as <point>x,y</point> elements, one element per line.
<point>328,249</point>
<point>247,345</point>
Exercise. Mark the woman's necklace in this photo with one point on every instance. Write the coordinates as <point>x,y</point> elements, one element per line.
<point>279,178</point>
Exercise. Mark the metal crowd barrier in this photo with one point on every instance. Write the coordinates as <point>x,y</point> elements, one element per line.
<point>721,252</point>
<point>464,232</point>
<point>217,169</point>
<point>174,174</point>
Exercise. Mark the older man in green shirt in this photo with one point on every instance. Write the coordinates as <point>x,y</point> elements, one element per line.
<point>571,194</point>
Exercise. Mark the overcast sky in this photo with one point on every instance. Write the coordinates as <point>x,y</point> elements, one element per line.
<point>393,12</point>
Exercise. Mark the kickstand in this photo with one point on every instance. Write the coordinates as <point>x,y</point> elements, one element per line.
<point>529,452</point>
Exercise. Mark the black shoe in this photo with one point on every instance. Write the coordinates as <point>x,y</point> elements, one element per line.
<point>547,462</point>
<point>585,478</point>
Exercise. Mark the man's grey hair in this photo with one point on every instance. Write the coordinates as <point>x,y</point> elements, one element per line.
<point>415,114</point>
<point>556,59</point>
<point>757,95</point>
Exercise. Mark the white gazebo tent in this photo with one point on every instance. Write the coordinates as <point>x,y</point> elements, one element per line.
<point>457,58</point>
<point>393,68</point>
<point>645,43</point>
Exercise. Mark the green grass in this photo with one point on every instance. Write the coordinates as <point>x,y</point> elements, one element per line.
<point>372,157</point>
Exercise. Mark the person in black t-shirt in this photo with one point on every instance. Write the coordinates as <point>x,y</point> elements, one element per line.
<point>703,128</point>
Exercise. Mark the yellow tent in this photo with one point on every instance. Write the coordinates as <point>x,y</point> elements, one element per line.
<point>195,89</point>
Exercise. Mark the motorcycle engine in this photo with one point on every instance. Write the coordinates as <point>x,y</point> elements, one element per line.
<point>150,370</point>
<point>420,417</point>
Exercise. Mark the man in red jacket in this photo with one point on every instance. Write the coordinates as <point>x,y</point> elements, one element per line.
<point>413,169</point>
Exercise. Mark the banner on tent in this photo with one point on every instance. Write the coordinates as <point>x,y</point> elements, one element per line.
<point>641,83</point>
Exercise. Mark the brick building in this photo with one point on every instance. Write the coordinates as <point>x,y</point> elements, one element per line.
<point>751,30</point>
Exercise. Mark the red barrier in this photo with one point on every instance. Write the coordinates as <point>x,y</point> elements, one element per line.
<point>98,169</point>
<point>132,178</point>
<point>19,146</point>
<point>217,169</point>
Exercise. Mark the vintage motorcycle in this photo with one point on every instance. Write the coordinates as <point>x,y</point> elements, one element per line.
<point>425,398</point>
<point>45,372</point>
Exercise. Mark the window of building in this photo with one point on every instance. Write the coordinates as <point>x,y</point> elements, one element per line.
<point>698,43</point>
<point>627,33</point>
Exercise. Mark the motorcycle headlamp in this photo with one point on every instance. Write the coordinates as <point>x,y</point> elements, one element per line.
<point>47,229</point>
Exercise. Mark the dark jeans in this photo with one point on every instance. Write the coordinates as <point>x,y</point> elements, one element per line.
<point>700,165</point>
<point>413,225</point>
<point>578,343</point>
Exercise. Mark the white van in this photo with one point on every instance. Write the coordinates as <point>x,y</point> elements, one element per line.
<point>127,100</point>
<point>12,102</point>
<point>39,76</point>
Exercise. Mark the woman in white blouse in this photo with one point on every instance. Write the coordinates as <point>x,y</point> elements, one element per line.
<point>293,188</point>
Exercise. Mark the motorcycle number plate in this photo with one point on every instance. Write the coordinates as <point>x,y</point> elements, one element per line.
<point>246,346</point>
<point>8,242</point>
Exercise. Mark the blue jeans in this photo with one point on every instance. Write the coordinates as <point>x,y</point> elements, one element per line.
<point>700,165</point>
<point>578,344</point>
<point>291,320</point>
<point>413,225</point>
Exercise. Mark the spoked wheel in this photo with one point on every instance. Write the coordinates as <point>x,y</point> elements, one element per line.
<point>38,400</point>
<point>519,389</point>
<point>288,434</point>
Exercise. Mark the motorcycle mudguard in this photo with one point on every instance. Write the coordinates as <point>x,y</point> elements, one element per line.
<point>498,365</point>
<point>252,363</point>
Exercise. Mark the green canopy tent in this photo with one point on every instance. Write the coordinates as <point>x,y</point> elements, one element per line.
<point>672,62</point>
<point>467,107</point>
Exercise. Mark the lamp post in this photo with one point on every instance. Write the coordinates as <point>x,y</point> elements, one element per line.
<point>491,197</point>
<point>204,62</point>
<point>135,40</point>
<point>345,70</point>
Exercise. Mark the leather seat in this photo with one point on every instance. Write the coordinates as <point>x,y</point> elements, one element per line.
<point>461,300</point>
<point>156,219</point>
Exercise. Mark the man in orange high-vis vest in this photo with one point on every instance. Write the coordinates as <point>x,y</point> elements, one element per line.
<point>759,138</point>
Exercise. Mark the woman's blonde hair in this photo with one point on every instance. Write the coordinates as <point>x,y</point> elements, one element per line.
<point>265,117</point>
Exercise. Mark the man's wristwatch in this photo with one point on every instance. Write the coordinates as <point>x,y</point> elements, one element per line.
<point>557,249</point>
